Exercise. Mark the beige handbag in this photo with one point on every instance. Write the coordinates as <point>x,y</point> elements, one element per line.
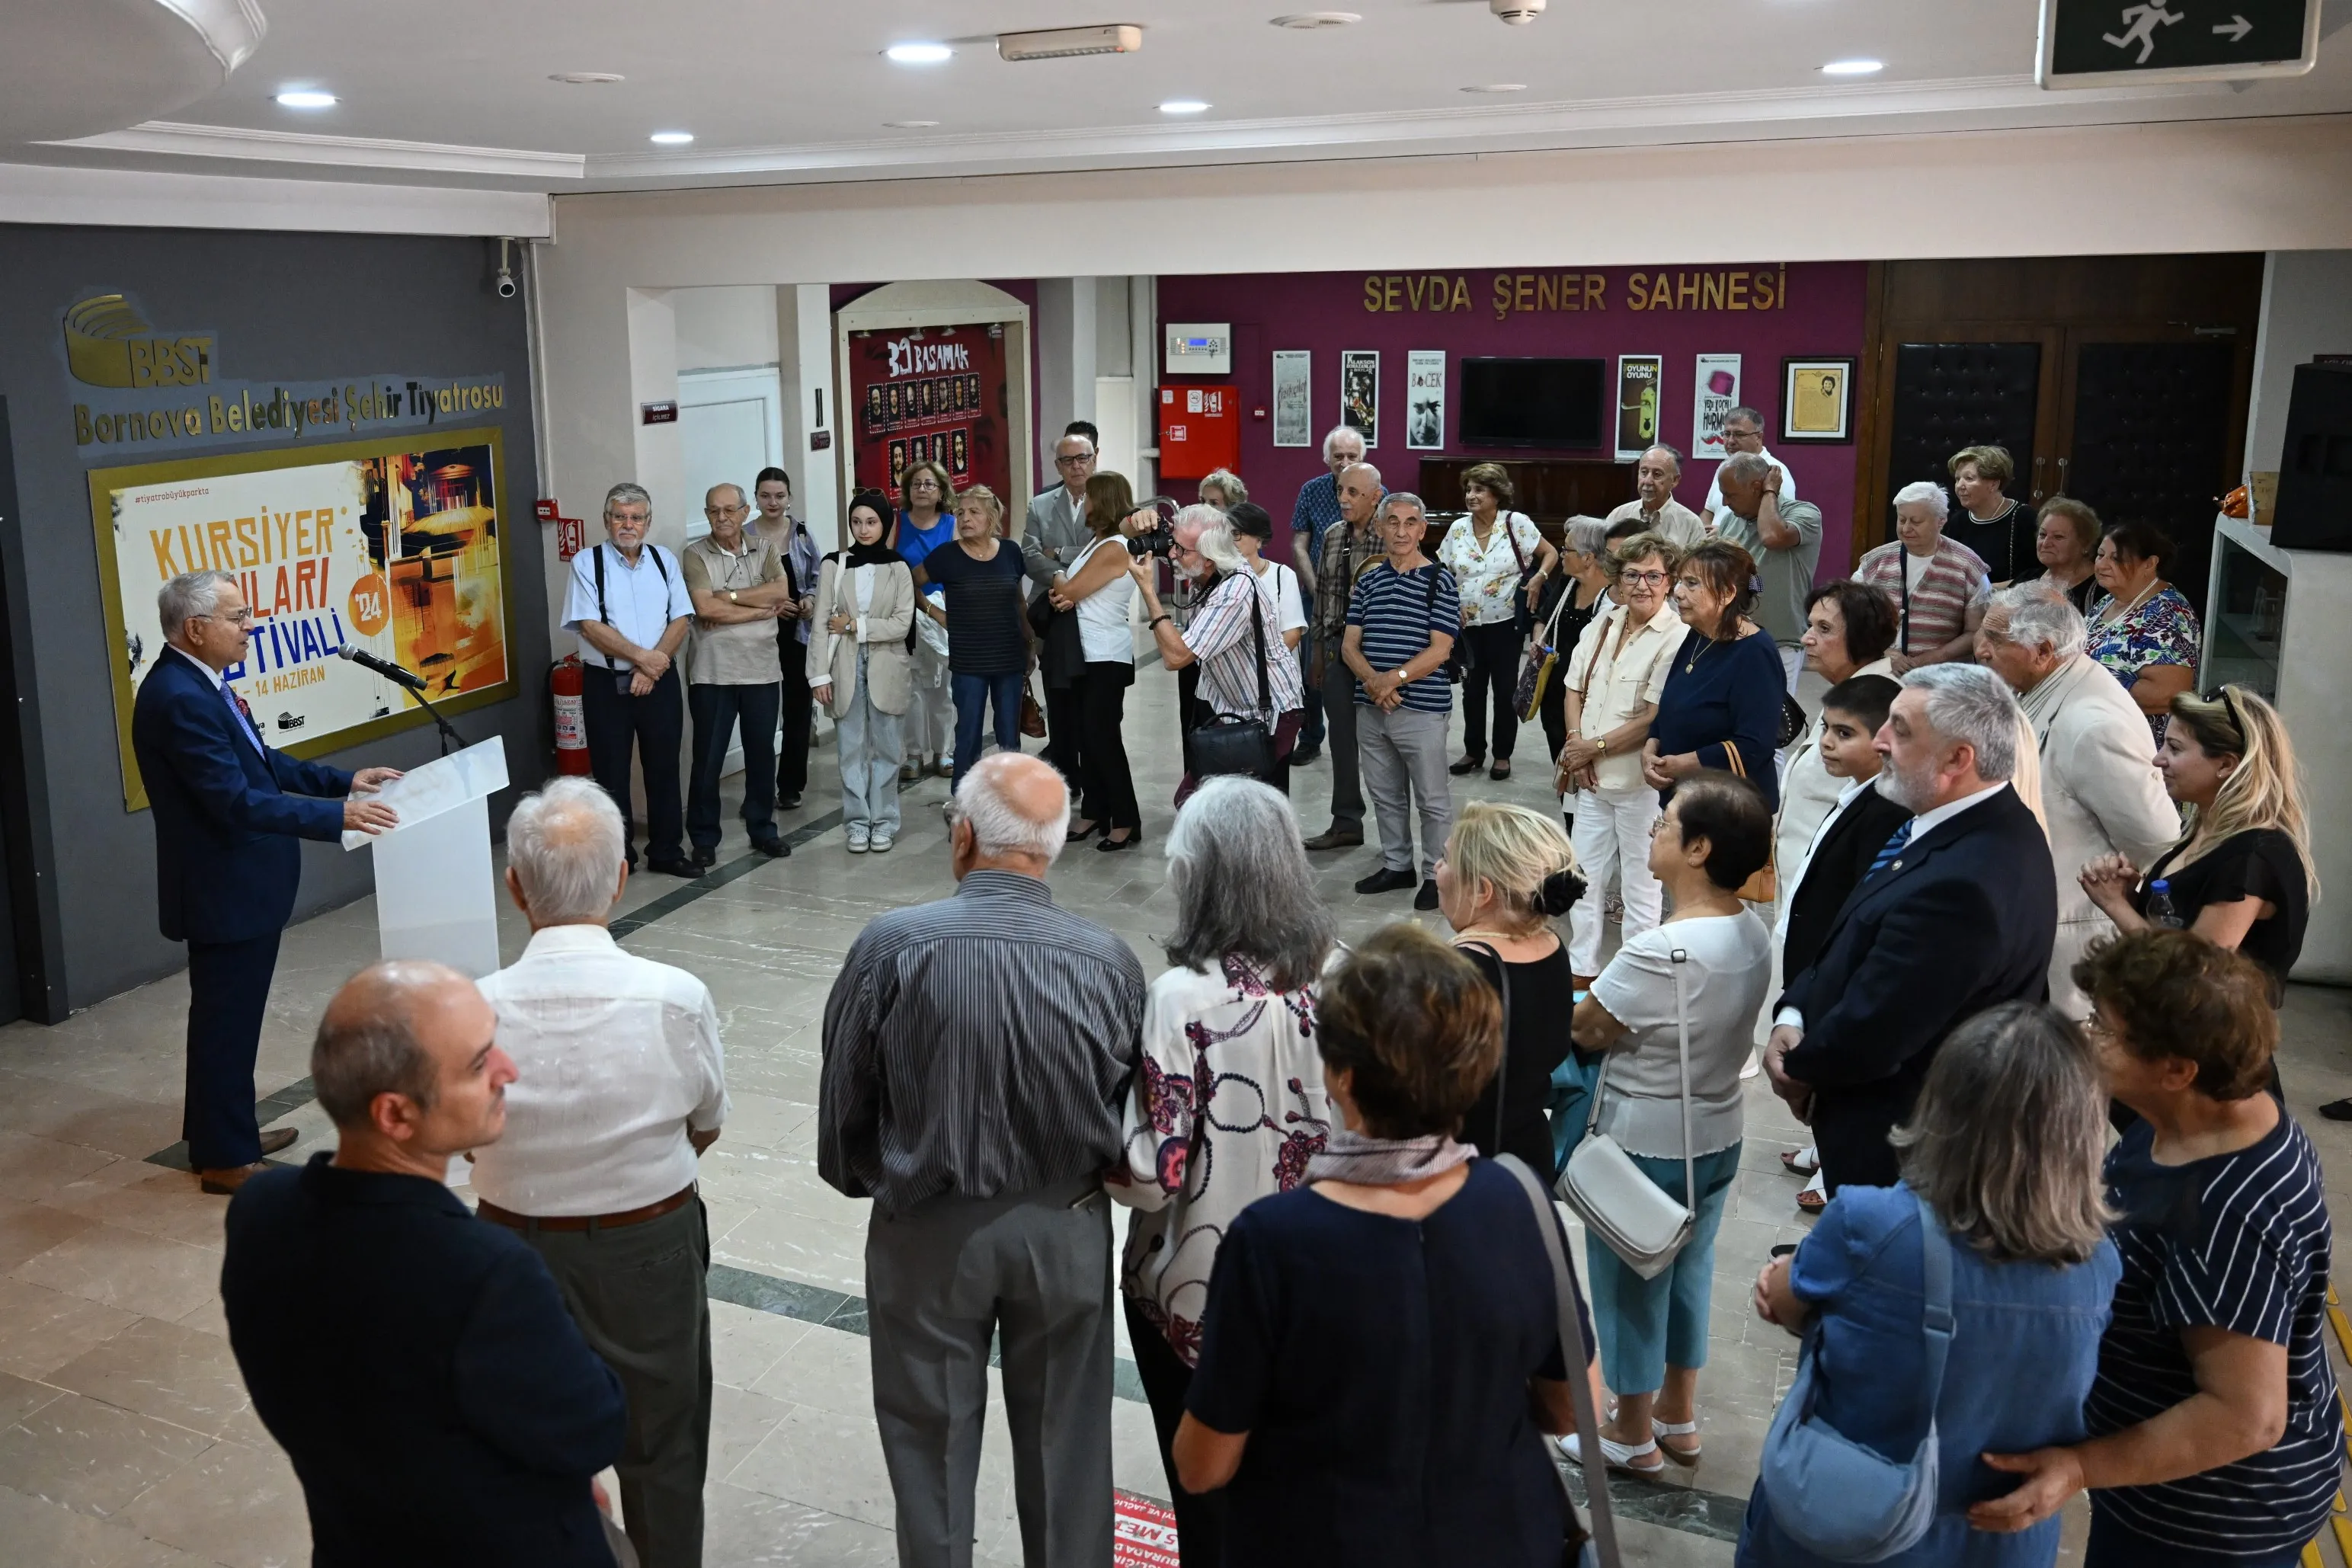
<point>1631,1213</point>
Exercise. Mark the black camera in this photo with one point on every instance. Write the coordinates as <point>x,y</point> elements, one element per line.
<point>1159,538</point>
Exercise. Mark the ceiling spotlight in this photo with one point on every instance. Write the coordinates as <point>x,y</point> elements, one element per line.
<point>1183,106</point>
<point>1853,67</point>
<point>306,97</point>
<point>920,54</point>
<point>1313,21</point>
<point>1499,86</point>
<point>587,79</point>
<point>670,138</point>
<point>909,124</point>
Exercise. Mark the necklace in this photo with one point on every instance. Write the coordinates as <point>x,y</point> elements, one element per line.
<point>2110,615</point>
<point>1704,648</point>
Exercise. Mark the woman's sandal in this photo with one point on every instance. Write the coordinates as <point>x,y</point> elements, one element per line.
<point>1619,1455</point>
<point>1812,1202</point>
<point>1662,1430</point>
<point>1793,1161</point>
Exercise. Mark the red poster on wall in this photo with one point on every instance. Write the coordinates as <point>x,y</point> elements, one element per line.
<point>931,394</point>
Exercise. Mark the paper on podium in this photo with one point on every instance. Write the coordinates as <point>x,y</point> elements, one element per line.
<point>434,895</point>
<point>423,793</point>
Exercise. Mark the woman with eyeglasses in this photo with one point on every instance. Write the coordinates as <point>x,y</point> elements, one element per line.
<point>1725,686</point>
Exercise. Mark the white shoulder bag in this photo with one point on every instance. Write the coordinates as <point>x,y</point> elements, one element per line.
<point>1631,1213</point>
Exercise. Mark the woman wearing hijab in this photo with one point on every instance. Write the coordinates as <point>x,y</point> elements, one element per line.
<point>860,668</point>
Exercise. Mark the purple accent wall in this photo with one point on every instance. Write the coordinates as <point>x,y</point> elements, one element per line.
<point>1327,312</point>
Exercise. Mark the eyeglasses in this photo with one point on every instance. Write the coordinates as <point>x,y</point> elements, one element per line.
<point>1655,579</point>
<point>1080,457</point>
<point>235,618</point>
<point>721,510</point>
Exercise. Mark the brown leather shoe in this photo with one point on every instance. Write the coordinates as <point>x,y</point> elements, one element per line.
<point>278,1138</point>
<point>222,1184</point>
<point>1336,837</point>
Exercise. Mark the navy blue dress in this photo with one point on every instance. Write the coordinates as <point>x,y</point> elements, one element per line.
<point>1721,698</point>
<point>1381,1368</point>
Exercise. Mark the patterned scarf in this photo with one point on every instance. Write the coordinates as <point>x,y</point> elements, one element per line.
<point>1384,1161</point>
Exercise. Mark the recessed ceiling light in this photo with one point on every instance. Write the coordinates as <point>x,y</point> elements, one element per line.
<point>909,124</point>
<point>1853,67</point>
<point>305,98</point>
<point>1309,21</point>
<point>920,54</point>
<point>1499,86</point>
<point>671,138</point>
<point>1183,106</point>
<point>587,79</point>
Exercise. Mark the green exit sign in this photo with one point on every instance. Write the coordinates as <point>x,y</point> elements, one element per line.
<point>2096,43</point>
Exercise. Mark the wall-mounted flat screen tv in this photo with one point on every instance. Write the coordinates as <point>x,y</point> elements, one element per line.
<point>1532,403</point>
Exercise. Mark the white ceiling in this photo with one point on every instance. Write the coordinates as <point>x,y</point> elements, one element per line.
<point>458,91</point>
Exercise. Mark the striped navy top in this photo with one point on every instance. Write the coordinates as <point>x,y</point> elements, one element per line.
<point>2237,1242</point>
<point>1398,612</point>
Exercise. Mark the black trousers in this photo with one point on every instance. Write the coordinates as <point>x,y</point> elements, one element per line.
<point>1200,1516</point>
<point>1065,746</point>
<point>792,745</point>
<point>717,711</point>
<point>1101,694</point>
<point>1553,709</point>
<point>654,727</point>
<point>1494,654</point>
<point>228,992</point>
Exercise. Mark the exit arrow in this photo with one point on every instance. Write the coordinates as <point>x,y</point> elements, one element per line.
<point>2236,28</point>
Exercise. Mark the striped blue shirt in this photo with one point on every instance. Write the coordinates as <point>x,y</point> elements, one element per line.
<point>2237,1242</point>
<point>1398,611</point>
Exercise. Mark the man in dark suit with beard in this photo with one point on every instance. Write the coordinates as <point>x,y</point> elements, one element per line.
<point>1957,913</point>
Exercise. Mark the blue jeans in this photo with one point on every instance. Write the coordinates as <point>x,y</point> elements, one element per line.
<point>972,695</point>
<point>1570,1106</point>
<point>1646,1325</point>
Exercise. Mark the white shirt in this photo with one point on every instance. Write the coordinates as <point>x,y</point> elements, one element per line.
<point>1104,614</point>
<point>1725,975</point>
<point>1712,508</point>
<point>1632,676</point>
<point>618,1057</point>
<point>1796,868</point>
<point>1292,616</point>
<point>639,603</point>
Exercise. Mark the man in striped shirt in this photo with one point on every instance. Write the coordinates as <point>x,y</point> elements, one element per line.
<point>1402,622</point>
<point>977,1053</point>
<point>1940,585</point>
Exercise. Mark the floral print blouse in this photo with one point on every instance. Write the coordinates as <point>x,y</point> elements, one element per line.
<point>2162,629</point>
<point>1489,578</point>
<point>1227,1107</point>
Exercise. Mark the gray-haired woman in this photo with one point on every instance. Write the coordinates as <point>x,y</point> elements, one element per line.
<point>1228,1103</point>
<point>2004,1151</point>
<point>1585,571</point>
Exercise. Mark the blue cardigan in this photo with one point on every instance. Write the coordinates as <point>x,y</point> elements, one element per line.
<point>1725,696</point>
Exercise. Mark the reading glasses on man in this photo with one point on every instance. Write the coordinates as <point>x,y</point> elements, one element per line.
<point>234,618</point>
<point>723,511</point>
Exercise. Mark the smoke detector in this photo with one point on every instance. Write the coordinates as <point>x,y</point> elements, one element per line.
<point>1315,21</point>
<point>1517,13</point>
<point>1063,43</point>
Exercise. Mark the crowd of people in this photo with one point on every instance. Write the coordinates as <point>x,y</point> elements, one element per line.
<point>2014,963</point>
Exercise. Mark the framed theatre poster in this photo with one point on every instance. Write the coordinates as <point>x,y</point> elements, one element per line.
<point>1716,396</point>
<point>1640,378</point>
<point>1817,400</point>
<point>1424,399</point>
<point>1360,393</point>
<point>1294,401</point>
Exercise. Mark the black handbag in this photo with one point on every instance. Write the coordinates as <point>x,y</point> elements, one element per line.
<point>1231,744</point>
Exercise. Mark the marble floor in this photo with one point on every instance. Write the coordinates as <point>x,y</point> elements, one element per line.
<point>126,1439</point>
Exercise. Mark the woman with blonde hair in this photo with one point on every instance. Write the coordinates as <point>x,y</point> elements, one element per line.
<point>988,634</point>
<point>1507,874</point>
<point>2241,875</point>
<point>1223,488</point>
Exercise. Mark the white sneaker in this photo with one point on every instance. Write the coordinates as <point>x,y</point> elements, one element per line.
<point>857,839</point>
<point>1755,1063</point>
<point>880,842</point>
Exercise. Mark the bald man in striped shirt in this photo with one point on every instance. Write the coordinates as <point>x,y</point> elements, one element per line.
<point>977,1053</point>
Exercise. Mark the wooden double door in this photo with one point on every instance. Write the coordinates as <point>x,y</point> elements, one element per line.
<point>2137,407</point>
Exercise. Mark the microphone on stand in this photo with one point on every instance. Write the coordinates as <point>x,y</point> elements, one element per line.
<point>384,668</point>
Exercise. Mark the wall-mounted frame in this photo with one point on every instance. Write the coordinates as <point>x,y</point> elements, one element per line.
<point>1293,397</point>
<point>1817,400</point>
<point>396,544</point>
<point>1360,393</point>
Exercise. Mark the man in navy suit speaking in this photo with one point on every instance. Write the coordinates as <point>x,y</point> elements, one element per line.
<point>227,812</point>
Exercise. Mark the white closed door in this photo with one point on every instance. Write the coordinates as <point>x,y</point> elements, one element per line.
<point>731,425</point>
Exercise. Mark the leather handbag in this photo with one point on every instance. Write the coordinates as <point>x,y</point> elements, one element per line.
<point>1235,743</point>
<point>1763,887</point>
<point>1598,1548</point>
<point>1536,670</point>
<point>1631,1213</point>
<point>1838,1498</point>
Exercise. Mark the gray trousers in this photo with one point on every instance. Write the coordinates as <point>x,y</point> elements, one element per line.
<point>639,1295</point>
<point>1339,712</point>
<point>1033,1270</point>
<point>1404,765</point>
<point>868,741</point>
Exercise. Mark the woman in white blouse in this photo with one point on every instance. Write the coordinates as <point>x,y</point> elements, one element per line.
<point>1489,550</point>
<point>860,670</point>
<point>1228,1102</point>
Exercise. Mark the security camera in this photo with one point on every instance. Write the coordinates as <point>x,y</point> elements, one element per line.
<point>1517,13</point>
<point>507,287</point>
<point>507,290</point>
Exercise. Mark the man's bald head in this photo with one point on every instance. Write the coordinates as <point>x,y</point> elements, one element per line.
<point>1359,493</point>
<point>1012,813</point>
<point>402,1028</point>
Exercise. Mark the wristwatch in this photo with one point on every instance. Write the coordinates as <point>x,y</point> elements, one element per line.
<point>731,598</point>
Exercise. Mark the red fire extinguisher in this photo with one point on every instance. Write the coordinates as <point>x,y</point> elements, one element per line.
<point>567,681</point>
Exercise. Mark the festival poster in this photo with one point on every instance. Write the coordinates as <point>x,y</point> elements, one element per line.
<point>931,394</point>
<point>1360,393</point>
<point>391,545</point>
<point>1294,411</point>
<point>1640,380</point>
<point>1424,399</point>
<point>1716,395</point>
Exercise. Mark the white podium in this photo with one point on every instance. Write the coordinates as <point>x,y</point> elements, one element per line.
<point>434,896</point>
